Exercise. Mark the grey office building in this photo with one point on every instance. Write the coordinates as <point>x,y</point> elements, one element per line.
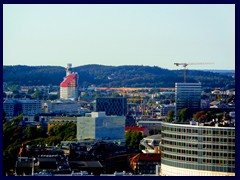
<point>112,106</point>
<point>187,95</point>
<point>99,126</point>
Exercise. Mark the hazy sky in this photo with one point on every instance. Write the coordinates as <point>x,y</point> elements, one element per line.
<point>137,34</point>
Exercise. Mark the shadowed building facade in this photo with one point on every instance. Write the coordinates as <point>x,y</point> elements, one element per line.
<point>187,95</point>
<point>112,106</point>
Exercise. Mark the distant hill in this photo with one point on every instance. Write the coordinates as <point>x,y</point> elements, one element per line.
<point>226,72</point>
<point>112,76</point>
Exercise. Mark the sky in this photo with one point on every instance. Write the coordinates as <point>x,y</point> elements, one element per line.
<point>202,35</point>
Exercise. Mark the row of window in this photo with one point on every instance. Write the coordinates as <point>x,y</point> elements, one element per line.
<point>200,131</point>
<point>213,162</point>
<point>223,155</point>
<point>219,147</point>
<point>215,140</point>
<point>204,166</point>
<point>198,146</point>
<point>179,144</point>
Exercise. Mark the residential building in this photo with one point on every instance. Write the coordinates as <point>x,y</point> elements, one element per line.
<point>142,130</point>
<point>97,125</point>
<point>24,166</point>
<point>10,107</point>
<point>14,107</point>
<point>197,150</point>
<point>164,108</point>
<point>31,106</point>
<point>69,86</point>
<point>145,163</point>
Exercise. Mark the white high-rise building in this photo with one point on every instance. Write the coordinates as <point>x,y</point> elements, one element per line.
<point>69,86</point>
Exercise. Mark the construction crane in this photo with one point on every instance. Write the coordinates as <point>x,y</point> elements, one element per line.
<point>185,65</point>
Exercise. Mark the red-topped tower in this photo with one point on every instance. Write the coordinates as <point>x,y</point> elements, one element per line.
<point>69,86</point>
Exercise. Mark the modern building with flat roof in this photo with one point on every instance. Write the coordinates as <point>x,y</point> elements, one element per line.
<point>112,106</point>
<point>187,95</point>
<point>65,106</point>
<point>14,107</point>
<point>197,150</point>
<point>99,126</point>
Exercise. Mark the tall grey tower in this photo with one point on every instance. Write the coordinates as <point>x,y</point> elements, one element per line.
<point>187,95</point>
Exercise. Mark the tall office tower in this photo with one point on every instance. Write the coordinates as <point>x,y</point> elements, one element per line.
<point>112,106</point>
<point>69,86</point>
<point>187,95</point>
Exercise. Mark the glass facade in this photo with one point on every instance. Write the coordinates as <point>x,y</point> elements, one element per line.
<point>107,127</point>
<point>112,106</point>
<point>187,95</point>
<point>202,148</point>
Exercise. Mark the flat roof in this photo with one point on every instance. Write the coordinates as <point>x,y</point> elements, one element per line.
<point>197,126</point>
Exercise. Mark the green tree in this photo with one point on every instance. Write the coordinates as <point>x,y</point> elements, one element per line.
<point>128,137</point>
<point>210,115</point>
<point>37,95</point>
<point>115,94</point>
<point>31,91</point>
<point>184,115</point>
<point>220,117</point>
<point>30,132</point>
<point>170,116</point>
<point>15,88</point>
<point>133,138</point>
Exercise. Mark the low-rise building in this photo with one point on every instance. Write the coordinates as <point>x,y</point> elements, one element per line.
<point>164,108</point>
<point>145,163</point>
<point>15,107</point>
<point>59,121</point>
<point>61,106</point>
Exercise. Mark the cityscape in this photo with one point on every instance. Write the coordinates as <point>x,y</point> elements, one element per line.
<point>118,131</point>
<point>119,90</point>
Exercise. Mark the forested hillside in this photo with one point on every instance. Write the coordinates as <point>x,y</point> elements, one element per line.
<point>112,76</point>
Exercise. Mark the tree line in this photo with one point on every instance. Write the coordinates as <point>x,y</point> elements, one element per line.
<point>113,76</point>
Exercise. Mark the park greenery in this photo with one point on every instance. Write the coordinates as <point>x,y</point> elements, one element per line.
<point>15,135</point>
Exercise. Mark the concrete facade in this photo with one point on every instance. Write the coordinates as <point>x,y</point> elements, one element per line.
<point>100,126</point>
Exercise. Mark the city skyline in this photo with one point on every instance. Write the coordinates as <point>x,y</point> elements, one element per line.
<point>115,35</point>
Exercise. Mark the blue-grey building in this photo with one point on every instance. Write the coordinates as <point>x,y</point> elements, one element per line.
<point>187,95</point>
<point>112,106</point>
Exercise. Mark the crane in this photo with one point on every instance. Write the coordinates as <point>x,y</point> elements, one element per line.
<point>185,65</point>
